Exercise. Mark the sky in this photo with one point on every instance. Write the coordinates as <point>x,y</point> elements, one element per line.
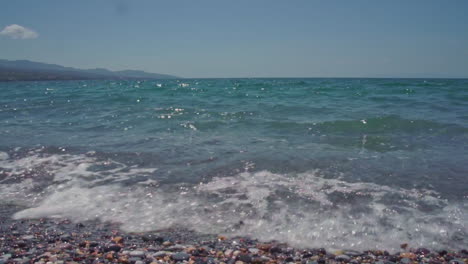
<point>243,38</point>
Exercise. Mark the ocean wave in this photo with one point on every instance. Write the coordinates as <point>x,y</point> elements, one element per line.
<point>304,209</point>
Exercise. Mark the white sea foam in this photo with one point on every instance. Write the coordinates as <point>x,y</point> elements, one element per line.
<point>51,173</point>
<point>4,155</point>
<point>303,209</point>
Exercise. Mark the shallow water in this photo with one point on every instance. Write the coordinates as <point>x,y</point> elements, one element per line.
<point>339,163</point>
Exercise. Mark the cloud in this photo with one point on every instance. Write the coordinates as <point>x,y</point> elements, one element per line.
<point>19,32</point>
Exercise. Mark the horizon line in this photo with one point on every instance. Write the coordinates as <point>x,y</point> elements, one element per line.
<point>334,77</point>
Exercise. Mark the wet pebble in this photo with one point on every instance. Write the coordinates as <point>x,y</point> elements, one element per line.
<point>114,248</point>
<point>405,261</point>
<point>161,254</point>
<point>254,250</point>
<point>180,256</point>
<point>352,253</point>
<point>176,248</point>
<point>422,251</point>
<point>244,258</point>
<point>137,253</point>
<point>342,258</point>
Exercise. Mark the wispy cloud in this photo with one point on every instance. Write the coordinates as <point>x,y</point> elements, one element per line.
<point>15,31</point>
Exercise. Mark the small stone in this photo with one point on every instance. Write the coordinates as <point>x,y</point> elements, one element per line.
<point>93,244</point>
<point>133,259</point>
<point>393,258</point>
<point>167,243</point>
<point>199,252</point>
<point>443,252</point>
<point>137,253</point>
<point>123,259</point>
<point>448,257</point>
<point>244,258</point>
<point>155,249</point>
<point>260,260</point>
<point>154,238</point>
<point>321,251</point>
<point>352,253</point>
<point>275,250</point>
<point>180,256</point>
<point>21,244</point>
<point>404,246</point>
<point>422,251</point>
<point>176,248</point>
<point>405,261</point>
<point>212,261</point>
<point>65,238</point>
<point>190,249</point>
<point>19,260</point>
<point>228,253</point>
<point>114,248</point>
<point>254,250</point>
<point>342,258</point>
<point>264,247</point>
<point>117,240</point>
<point>109,256</point>
<point>161,254</point>
<point>408,255</point>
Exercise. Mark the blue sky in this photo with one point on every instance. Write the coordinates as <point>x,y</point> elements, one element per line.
<point>245,38</point>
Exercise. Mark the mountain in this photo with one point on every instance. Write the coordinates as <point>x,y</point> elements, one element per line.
<point>25,70</point>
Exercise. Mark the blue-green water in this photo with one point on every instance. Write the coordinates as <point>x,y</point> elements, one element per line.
<point>353,163</point>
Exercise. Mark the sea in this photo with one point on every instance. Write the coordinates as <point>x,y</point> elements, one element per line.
<point>316,162</point>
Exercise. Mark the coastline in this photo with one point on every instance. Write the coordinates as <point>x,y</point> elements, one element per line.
<point>64,241</point>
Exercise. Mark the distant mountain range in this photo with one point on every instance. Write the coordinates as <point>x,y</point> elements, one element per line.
<point>24,70</point>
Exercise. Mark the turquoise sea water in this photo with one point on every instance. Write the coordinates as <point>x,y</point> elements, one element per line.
<point>342,163</point>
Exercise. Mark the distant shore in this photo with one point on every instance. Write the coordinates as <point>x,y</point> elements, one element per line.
<point>24,70</point>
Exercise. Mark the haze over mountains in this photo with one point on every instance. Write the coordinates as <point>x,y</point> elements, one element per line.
<point>25,70</point>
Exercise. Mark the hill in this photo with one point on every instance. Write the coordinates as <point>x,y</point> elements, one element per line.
<point>25,70</point>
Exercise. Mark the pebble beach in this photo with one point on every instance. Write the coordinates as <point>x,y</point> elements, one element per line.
<point>46,241</point>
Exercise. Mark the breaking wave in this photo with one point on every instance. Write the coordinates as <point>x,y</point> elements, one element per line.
<point>304,209</point>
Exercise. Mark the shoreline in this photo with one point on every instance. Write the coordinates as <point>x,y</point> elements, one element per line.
<point>63,241</point>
